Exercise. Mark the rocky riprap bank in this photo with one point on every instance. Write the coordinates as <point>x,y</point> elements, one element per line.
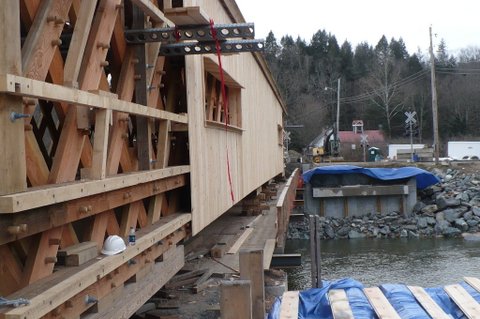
<point>447,209</point>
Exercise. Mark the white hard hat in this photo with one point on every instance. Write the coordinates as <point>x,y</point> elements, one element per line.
<point>113,245</point>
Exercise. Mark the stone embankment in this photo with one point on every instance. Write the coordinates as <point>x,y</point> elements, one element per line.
<point>447,209</point>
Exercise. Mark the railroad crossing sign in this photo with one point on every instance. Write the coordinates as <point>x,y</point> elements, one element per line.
<point>363,139</point>
<point>410,117</point>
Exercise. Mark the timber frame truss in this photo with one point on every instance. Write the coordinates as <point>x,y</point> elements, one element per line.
<point>94,135</point>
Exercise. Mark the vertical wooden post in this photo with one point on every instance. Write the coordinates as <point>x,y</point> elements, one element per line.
<point>315,251</point>
<point>12,158</point>
<point>251,268</point>
<point>235,300</point>
<point>143,129</point>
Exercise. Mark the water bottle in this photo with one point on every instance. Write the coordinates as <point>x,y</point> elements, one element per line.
<point>131,237</point>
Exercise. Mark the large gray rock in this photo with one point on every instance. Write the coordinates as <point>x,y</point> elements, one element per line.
<point>329,232</point>
<point>403,233</point>
<point>450,215</point>
<point>343,231</point>
<point>353,234</point>
<point>468,215</point>
<point>461,224</point>
<point>422,222</point>
<point>440,216</point>
<point>418,206</point>
<point>429,209</point>
<point>472,223</point>
<point>452,232</point>
<point>441,226</point>
<point>443,202</point>
<point>476,211</point>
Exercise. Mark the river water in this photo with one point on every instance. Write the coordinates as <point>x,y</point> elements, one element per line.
<point>422,262</point>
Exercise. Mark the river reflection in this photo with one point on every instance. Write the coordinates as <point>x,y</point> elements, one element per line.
<point>422,262</point>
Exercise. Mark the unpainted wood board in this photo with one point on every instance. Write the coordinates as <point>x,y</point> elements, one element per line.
<point>235,299</point>
<point>243,237</point>
<point>68,191</point>
<point>21,86</point>
<point>380,304</point>
<point>474,282</point>
<point>152,11</point>
<point>268,253</point>
<point>428,303</point>
<point>464,301</point>
<point>340,306</point>
<point>187,16</point>
<point>251,268</point>
<point>289,305</point>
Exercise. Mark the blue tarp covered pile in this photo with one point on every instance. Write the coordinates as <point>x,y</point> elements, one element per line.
<point>313,303</point>
<point>424,178</point>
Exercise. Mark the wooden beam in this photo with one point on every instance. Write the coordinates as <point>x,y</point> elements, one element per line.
<point>151,10</point>
<point>42,256</point>
<point>380,304</point>
<point>43,37</point>
<point>340,306</point>
<point>10,271</point>
<point>100,144</point>
<point>235,300</point>
<point>134,295</point>
<point>21,86</point>
<point>12,157</point>
<point>251,268</point>
<point>42,219</point>
<point>464,301</point>
<point>430,306</point>
<point>104,287</point>
<point>66,289</point>
<point>129,218</point>
<point>239,242</point>
<point>78,42</point>
<point>98,228</point>
<point>64,192</point>
<point>289,306</point>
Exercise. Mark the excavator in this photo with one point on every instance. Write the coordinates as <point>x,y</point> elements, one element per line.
<point>324,147</point>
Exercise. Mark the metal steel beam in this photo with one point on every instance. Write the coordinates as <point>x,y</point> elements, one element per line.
<point>187,48</point>
<point>188,33</point>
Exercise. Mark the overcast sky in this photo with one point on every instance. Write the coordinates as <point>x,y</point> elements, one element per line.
<point>458,22</point>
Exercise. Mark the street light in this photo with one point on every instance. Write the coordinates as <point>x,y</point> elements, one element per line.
<point>337,125</point>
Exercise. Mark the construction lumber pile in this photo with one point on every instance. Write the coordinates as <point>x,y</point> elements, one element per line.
<point>95,143</point>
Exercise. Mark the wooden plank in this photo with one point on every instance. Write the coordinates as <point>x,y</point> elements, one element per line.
<point>428,303</point>
<point>42,90</point>
<point>235,300</point>
<point>380,304</point>
<point>80,257</point>
<point>289,306</point>
<point>12,157</point>
<point>464,301</point>
<point>129,218</point>
<point>340,306</point>
<point>474,282</point>
<point>64,192</point>
<point>268,252</point>
<point>75,249</point>
<point>58,294</point>
<point>251,268</point>
<point>243,237</point>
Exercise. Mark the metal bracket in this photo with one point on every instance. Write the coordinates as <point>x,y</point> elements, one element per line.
<point>198,33</point>
<point>14,302</point>
<point>209,47</point>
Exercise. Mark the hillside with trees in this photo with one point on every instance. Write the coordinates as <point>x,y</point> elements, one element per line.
<point>378,84</point>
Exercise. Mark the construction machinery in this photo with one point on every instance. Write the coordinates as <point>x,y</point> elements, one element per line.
<point>324,147</point>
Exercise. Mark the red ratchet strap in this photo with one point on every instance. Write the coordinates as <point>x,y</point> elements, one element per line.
<point>176,33</point>
<point>225,101</point>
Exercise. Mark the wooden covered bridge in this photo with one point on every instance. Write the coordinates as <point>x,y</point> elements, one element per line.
<point>103,130</point>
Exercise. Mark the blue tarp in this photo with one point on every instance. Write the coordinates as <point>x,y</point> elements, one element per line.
<point>313,303</point>
<point>424,178</point>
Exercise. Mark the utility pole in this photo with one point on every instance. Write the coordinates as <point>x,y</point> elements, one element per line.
<point>436,140</point>
<point>337,128</point>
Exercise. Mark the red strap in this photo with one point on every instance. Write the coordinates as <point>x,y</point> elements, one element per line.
<point>225,101</point>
